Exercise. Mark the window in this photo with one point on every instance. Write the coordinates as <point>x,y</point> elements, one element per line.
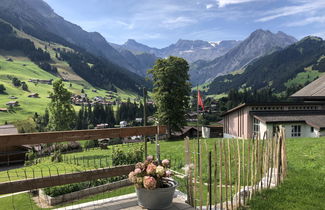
<point>295,130</point>
<point>312,129</point>
<point>256,127</point>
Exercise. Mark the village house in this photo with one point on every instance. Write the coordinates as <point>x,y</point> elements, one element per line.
<point>33,95</point>
<point>13,103</point>
<point>3,110</point>
<point>12,154</point>
<point>303,118</point>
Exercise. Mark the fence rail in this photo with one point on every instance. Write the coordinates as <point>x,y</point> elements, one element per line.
<point>62,136</point>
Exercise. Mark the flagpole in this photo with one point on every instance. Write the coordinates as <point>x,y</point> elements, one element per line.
<point>197,126</point>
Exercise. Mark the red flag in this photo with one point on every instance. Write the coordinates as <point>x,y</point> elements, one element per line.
<point>199,100</point>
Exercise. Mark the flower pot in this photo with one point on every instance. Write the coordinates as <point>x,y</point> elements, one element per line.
<point>159,198</point>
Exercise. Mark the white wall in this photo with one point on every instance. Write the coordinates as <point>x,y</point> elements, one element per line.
<point>263,129</point>
<point>205,132</point>
<point>305,130</point>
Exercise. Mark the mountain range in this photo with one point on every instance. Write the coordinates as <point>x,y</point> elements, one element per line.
<point>128,63</point>
<point>259,43</point>
<point>191,50</point>
<point>285,70</point>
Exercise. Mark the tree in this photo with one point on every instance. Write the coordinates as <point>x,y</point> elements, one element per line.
<point>24,86</point>
<point>2,89</point>
<point>62,114</point>
<point>171,91</point>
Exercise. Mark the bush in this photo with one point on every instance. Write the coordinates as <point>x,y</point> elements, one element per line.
<point>91,144</point>
<point>120,157</point>
<point>57,157</point>
<point>2,89</point>
<point>115,141</point>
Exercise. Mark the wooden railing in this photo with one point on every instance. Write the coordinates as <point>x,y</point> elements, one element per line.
<point>7,141</point>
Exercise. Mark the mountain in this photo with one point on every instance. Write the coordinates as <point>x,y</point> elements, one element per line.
<point>259,43</point>
<point>191,50</point>
<point>55,58</point>
<point>37,18</point>
<point>287,70</point>
<point>141,61</point>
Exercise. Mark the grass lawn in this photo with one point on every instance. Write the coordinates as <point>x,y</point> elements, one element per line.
<point>304,187</point>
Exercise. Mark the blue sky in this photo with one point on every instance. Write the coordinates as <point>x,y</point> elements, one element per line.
<point>158,23</point>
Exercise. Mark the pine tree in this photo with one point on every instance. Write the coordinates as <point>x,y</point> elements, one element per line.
<point>171,91</point>
<point>62,114</point>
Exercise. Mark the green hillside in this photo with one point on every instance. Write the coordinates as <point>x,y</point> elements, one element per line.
<point>14,63</point>
<point>283,71</point>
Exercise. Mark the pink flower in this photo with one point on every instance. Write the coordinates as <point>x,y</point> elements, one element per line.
<point>151,168</point>
<point>165,162</point>
<point>150,158</point>
<point>168,173</point>
<point>140,165</point>
<point>137,171</point>
<point>149,182</point>
<point>132,177</point>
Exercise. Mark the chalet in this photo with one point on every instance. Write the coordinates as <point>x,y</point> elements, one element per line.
<point>187,131</point>
<point>33,95</point>
<point>101,126</point>
<point>303,118</point>
<point>12,97</point>
<point>138,120</point>
<point>3,110</point>
<point>212,131</point>
<point>13,103</point>
<point>12,154</point>
<point>42,81</point>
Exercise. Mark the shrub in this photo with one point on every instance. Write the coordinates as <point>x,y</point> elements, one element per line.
<point>91,144</point>
<point>57,157</point>
<point>120,157</point>
<point>2,89</point>
<point>115,141</point>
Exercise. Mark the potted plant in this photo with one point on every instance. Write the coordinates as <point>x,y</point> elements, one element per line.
<point>154,187</point>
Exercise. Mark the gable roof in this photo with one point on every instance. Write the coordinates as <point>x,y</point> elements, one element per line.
<point>315,90</point>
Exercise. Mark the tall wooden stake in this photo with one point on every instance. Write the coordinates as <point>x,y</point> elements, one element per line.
<point>220,173</point>
<point>145,120</point>
<point>226,172</point>
<point>210,181</point>
<point>230,177</point>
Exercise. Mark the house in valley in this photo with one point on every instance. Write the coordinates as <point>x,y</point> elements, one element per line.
<point>12,154</point>
<point>302,118</point>
<point>13,103</point>
<point>33,95</point>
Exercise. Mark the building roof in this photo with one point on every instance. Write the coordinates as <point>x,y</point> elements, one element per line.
<point>313,118</point>
<point>8,129</point>
<point>315,90</point>
<point>288,103</point>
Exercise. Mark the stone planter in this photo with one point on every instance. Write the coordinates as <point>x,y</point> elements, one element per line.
<point>159,198</point>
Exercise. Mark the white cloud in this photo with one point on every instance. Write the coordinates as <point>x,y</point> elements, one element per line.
<point>223,3</point>
<point>209,6</point>
<point>309,20</point>
<point>181,21</point>
<point>306,7</point>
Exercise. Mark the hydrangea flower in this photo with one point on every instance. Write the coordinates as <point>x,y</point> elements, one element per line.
<point>132,177</point>
<point>160,170</point>
<point>149,182</point>
<point>165,162</point>
<point>137,171</point>
<point>151,168</point>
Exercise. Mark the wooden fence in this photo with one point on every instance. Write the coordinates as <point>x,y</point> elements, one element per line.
<point>227,175</point>
<point>7,141</point>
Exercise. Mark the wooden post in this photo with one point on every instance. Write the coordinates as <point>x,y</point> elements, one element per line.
<point>239,165</point>
<point>210,181</point>
<point>243,166</point>
<point>201,179</point>
<point>215,174</point>
<point>145,121</point>
<point>195,176</point>
<point>230,177</point>
<point>226,171</point>
<point>220,173</point>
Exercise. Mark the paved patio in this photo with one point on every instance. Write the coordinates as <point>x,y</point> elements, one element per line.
<point>127,202</point>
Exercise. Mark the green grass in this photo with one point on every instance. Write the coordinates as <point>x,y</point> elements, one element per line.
<point>301,78</point>
<point>304,187</point>
<point>24,200</point>
<point>24,70</point>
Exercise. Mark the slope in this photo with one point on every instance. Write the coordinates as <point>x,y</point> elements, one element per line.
<point>285,70</point>
<point>259,43</point>
<point>15,63</point>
